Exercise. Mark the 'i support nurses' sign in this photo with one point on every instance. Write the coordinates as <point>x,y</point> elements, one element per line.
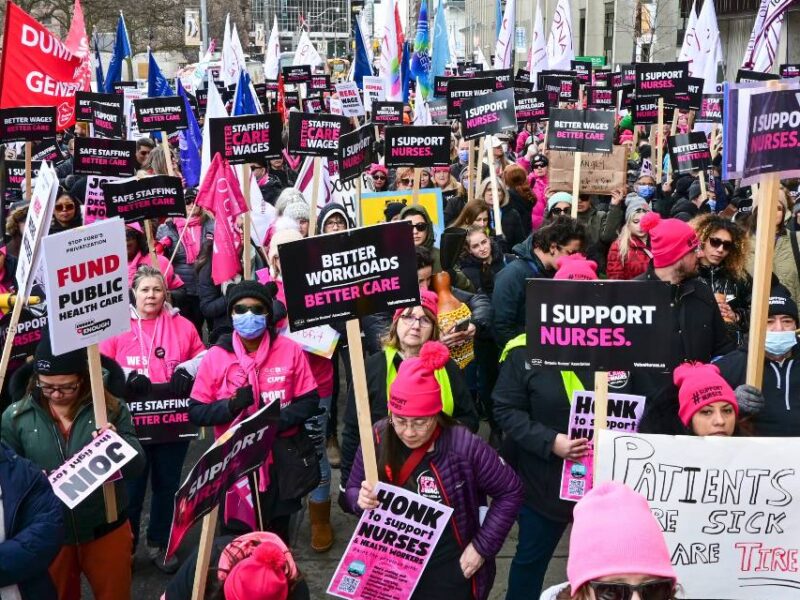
<point>419,146</point>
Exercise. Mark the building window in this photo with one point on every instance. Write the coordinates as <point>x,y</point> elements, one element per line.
<point>582,33</point>
<point>608,31</point>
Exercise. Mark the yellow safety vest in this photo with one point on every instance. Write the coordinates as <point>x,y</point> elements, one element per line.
<point>439,374</point>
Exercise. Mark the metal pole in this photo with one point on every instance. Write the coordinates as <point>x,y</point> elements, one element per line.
<point>204,25</point>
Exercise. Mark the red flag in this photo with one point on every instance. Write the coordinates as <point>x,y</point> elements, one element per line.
<point>221,195</point>
<point>37,68</point>
<point>77,42</point>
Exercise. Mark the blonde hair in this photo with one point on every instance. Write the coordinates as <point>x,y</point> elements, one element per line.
<point>392,340</point>
<point>625,236</point>
<point>486,184</point>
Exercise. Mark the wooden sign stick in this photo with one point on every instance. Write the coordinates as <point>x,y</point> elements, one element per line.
<point>312,202</point>
<point>674,127</point>
<point>151,244</point>
<point>576,185</point>
<point>28,169</point>
<point>204,554</point>
<point>180,239</point>
<point>167,154</point>
<point>475,178</point>
<point>660,140</point>
<point>600,407</point>
<point>415,189</point>
<point>11,332</point>
<point>470,170</point>
<point>362,401</point>
<point>101,419</point>
<point>498,219</point>
<point>246,262</point>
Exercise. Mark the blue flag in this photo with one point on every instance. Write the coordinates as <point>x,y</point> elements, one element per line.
<point>441,49</point>
<point>190,142</point>
<point>98,65</point>
<point>122,50</point>
<point>498,19</point>
<point>243,101</point>
<point>362,67</point>
<point>405,69</point>
<point>157,84</point>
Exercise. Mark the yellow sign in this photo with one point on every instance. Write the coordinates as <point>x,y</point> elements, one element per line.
<point>374,203</point>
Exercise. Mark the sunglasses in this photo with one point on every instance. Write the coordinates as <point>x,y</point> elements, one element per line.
<point>420,226</point>
<point>559,211</point>
<point>726,245</point>
<point>256,309</point>
<point>659,589</point>
<point>64,207</point>
<point>379,176</point>
<point>405,181</point>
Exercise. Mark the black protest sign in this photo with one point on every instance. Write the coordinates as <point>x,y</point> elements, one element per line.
<point>789,71</point>
<point>426,146</point>
<point>261,90</point>
<point>745,76</point>
<point>689,152</point>
<point>27,123</point>
<point>602,78</point>
<point>522,87</point>
<point>202,100</point>
<point>83,103</point>
<point>107,120</point>
<point>581,130</point>
<point>600,97</point>
<point>693,98</point>
<point>664,80</point>
<point>532,107</point>
<point>291,99</point>
<point>503,78</point>
<point>489,114</point>
<point>710,109</point>
<point>570,88</point>
<point>315,134</point>
<point>120,86</point>
<point>247,138</point>
<point>437,109</point>
<point>32,322</point>
<point>387,113</point>
<point>356,152</point>
<point>628,95</point>
<point>271,85</point>
<point>625,76</point>
<point>523,75</point>
<point>296,74</point>
<point>551,85</point>
<point>558,73</point>
<point>470,69</point>
<point>147,198</point>
<point>774,135</point>
<point>351,274</point>
<point>599,325</point>
<point>96,156</point>
<point>440,86</point>
<point>319,83</point>
<point>583,70</point>
<point>461,89</point>
<point>645,111</point>
<point>15,174</point>
<point>312,104</point>
<point>161,417</point>
<point>167,113</point>
<point>48,150</point>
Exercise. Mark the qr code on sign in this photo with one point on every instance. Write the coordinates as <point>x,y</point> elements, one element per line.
<point>577,487</point>
<point>348,585</point>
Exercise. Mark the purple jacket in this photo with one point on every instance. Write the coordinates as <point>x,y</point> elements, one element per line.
<point>467,470</point>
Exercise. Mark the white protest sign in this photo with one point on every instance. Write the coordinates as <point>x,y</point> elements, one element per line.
<point>86,271</point>
<point>350,97</point>
<point>91,467</point>
<point>336,106</point>
<point>319,340</point>
<point>727,505</point>
<point>37,223</point>
<point>94,201</point>
<point>132,94</point>
<point>374,91</point>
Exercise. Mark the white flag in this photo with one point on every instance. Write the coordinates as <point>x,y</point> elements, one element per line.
<point>306,53</point>
<point>272,53</point>
<point>422,116</point>
<point>690,47</point>
<point>480,58</point>
<point>504,48</point>
<point>389,60</point>
<point>710,47</point>
<point>559,44</point>
<point>230,64</point>
<point>215,108</point>
<point>765,37</point>
<point>237,50</point>
<point>537,59</point>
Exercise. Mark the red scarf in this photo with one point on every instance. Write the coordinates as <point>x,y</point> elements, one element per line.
<point>412,462</point>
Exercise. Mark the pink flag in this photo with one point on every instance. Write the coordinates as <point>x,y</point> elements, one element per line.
<point>221,195</point>
<point>77,42</point>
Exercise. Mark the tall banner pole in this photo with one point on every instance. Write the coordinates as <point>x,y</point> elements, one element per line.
<point>498,224</point>
<point>660,140</point>
<point>312,218</point>
<point>576,184</point>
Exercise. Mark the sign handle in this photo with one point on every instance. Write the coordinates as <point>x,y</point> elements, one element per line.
<point>546,131</point>
<point>359,218</point>
<point>475,179</point>
<point>362,401</point>
<point>252,482</point>
<point>576,184</point>
<point>101,419</point>
<point>11,332</point>
<point>28,169</point>
<point>204,554</point>
<point>674,127</point>
<point>660,140</point>
<point>600,408</point>
<point>703,188</point>
<point>415,189</point>
<point>312,204</point>
<point>498,220</point>
<point>180,239</point>
<point>167,154</point>
<point>470,170</point>
<point>151,245</point>
<point>246,225</point>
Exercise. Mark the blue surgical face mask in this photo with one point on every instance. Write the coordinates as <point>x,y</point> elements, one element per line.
<point>646,191</point>
<point>463,155</point>
<point>250,326</point>
<point>780,342</point>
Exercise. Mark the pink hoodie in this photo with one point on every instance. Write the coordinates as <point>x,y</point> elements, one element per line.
<point>538,187</point>
<point>173,281</point>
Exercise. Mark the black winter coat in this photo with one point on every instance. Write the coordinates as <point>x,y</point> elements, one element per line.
<point>720,280</point>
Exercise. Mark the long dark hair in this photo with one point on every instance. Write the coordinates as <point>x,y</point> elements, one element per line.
<point>393,452</point>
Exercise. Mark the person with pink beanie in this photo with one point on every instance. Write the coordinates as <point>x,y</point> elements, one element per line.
<point>425,451</point>
<point>609,562</point>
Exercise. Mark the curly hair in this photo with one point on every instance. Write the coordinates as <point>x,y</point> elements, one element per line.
<point>560,231</point>
<point>707,224</point>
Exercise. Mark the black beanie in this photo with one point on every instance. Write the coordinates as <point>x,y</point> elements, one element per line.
<point>781,303</point>
<point>252,289</point>
<point>69,363</point>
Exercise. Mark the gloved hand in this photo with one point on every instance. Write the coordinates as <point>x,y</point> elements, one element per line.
<point>315,426</point>
<point>138,385</point>
<point>180,384</point>
<point>243,398</point>
<point>749,398</point>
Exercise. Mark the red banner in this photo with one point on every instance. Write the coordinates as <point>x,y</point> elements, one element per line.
<point>40,70</point>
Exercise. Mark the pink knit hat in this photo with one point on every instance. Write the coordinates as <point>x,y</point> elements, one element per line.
<point>428,299</point>
<point>615,533</point>
<point>626,136</point>
<point>576,267</point>
<point>415,391</point>
<point>265,573</point>
<point>670,239</point>
<point>701,385</point>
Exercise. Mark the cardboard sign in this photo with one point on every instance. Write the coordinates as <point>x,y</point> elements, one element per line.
<point>316,340</point>
<point>689,152</point>
<point>247,138</point>
<point>693,98</point>
<point>94,201</point>
<point>31,325</point>
<point>48,150</point>
<point>461,89</point>
<point>107,120</point>
<point>86,277</point>
<point>351,274</point>
<point>488,114</point>
<point>581,130</point>
<point>599,325</point>
<point>532,107</point>
<point>645,111</point>
<point>167,113</point>
<point>350,97</point>
<point>96,156</point>
<point>654,80</point>
<point>87,470</point>
<point>418,146</point>
<point>745,76</point>
<point>243,449</point>
<point>710,109</point>
<point>624,414</point>
<point>356,152</point>
<point>387,113</point>
<point>315,134</point>
<point>600,97</point>
<point>789,71</point>
<point>319,83</point>
<point>296,74</point>
<point>727,507</point>
<point>27,124</point>
<point>83,103</point>
<point>161,417</point>
<point>40,213</point>
<point>147,198</point>
<point>374,91</point>
<point>390,547</point>
<point>601,174</point>
<point>774,135</point>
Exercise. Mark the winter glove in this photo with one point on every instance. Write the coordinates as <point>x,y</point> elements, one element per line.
<point>243,398</point>
<point>180,384</point>
<point>138,385</point>
<point>315,427</point>
<point>749,398</point>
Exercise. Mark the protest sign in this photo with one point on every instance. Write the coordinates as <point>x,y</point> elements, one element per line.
<point>15,173</point>
<point>31,325</point>
<point>296,74</point>
<point>151,197</point>
<point>374,203</point>
<point>40,213</point>
<point>83,103</point>
<point>624,414</point>
<point>346,275</point>
<point>387,113</point>
<point>96,156</point>
<point>625,95</point>
<point>418,146</point>
<point>661,80</point>
<point>350,97</point>
<point>531,107</point>
<point>129,96</point>
<point>48,150</point>
<point>710,109</point>
<point>774,135</point>
<point>320,340</point>
<point>319,83</point>
<point>645,111</point>
<point>120,87</point>
<point>94,202</point>
<point>374,91</point>
<point>689,152</point>
<point>569,89</point>
<point>86,278</point>
<point>488,114</point>
<point>692,99</point>
<point>736,111</point>
<point>503,78</point>
<point>390,547</point>
<point>440,86</point>
<point>459,89</point>
<point>625,75</point>
<point>600,97</point>
<point>727,507</point>
<point>315,134</point>
<point>312,105</point>
<point>166,113</point>
<point>599,173</point>
<point>356,152</point>
<point>107,120</point>
<point>247,138</point>
<point>334,105</point>
<point>242,449</point>
<point>552,87</point>
<point>583,70</point>
<point>789,71</point>
<point>437,109</point>
<point>27,124</point>
<point>161,417</point>
<point>75,480</point>
<point>745,76</point>
<point>606,326</point>
<point>523,75</point>
<point>581,130</point>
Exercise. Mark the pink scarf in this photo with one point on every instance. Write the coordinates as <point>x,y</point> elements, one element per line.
<point>191,239</point>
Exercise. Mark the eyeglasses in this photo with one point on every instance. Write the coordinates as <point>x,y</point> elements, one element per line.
<point>64,207</point>
<point>410,320</point>
<point>726,245</point>
<point>420,226</point>
<point>659,589</point>
<point>336,221</point>
<point>64,390</point>
<point>256,309</point>
<point>559,211</point>
<point>417,425</point>
<point>405,181</point>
